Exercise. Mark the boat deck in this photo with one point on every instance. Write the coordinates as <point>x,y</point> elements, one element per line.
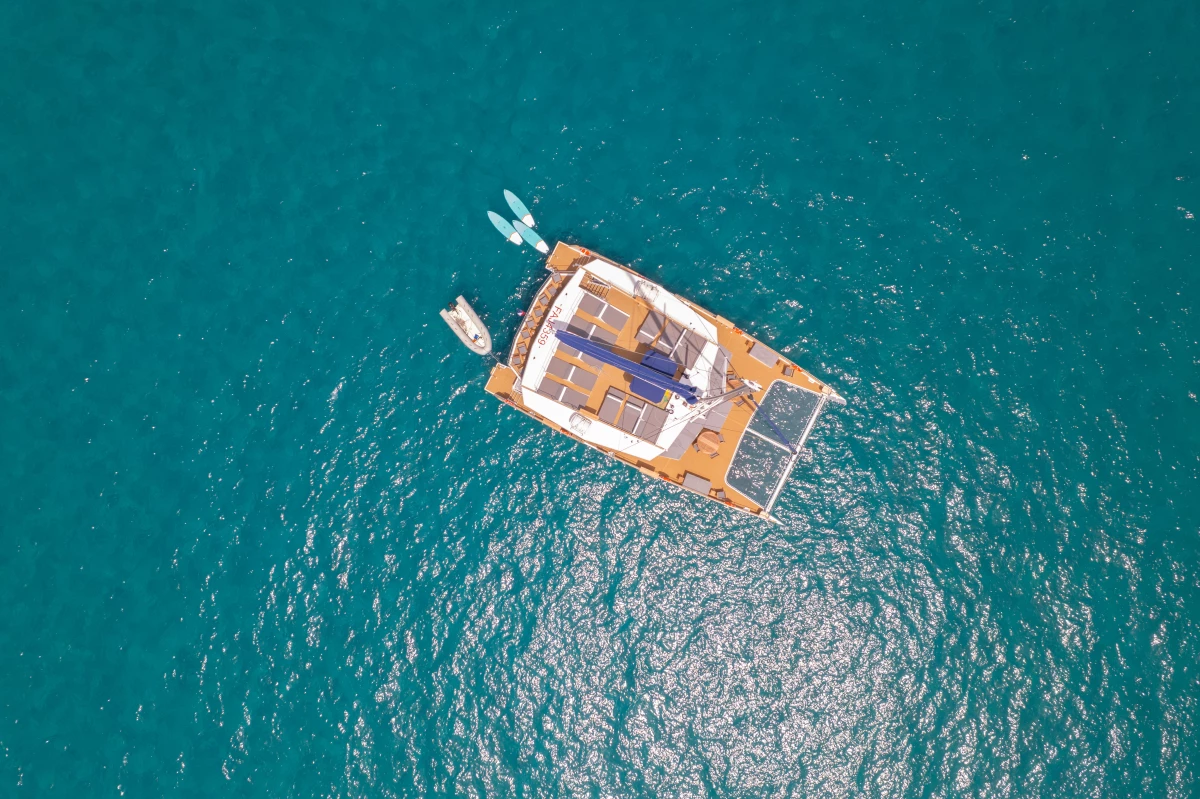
<point>619,317</point>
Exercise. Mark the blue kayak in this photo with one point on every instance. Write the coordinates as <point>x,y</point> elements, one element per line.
<point>519,209</point>
<point>505,229</point>
<point>534,239</point>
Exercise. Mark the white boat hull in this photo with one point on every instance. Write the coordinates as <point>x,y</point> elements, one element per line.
<point>461,320</point>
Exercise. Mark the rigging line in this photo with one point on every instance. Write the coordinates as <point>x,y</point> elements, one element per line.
<point>765,415</point>
<point>778,432</point>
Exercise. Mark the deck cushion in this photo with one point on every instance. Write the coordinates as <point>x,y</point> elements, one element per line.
<point>590,360</point>
<point>653,420</point>
<point>761,352</point>
<point>614,317</point>
<point>697,483</point>
<point>631,415</point>
<point>610,406</point>
<point>687,352</point>
<point>560,368</point>
<point>562,393</point>
<point>670,336</point>
<point>592,305</point>
<point>651,327</point>
<point>589,330</point>
<point>573,398</point>
<point>576,375</point>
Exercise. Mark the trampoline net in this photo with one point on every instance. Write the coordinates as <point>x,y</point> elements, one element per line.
<point>772,440</point>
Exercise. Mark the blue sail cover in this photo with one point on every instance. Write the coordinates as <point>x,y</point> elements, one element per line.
<point>659,363</point>
<point>635,369</point>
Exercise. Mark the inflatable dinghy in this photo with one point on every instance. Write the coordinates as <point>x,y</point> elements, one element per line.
<point>465,323</point>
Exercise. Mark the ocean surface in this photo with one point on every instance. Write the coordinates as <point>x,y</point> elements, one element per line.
<point>263,533</point>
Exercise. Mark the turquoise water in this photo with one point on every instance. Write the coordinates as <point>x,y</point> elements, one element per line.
<point>265,535</point>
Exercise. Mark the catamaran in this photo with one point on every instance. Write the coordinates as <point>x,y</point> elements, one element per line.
<point>614,360</point>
